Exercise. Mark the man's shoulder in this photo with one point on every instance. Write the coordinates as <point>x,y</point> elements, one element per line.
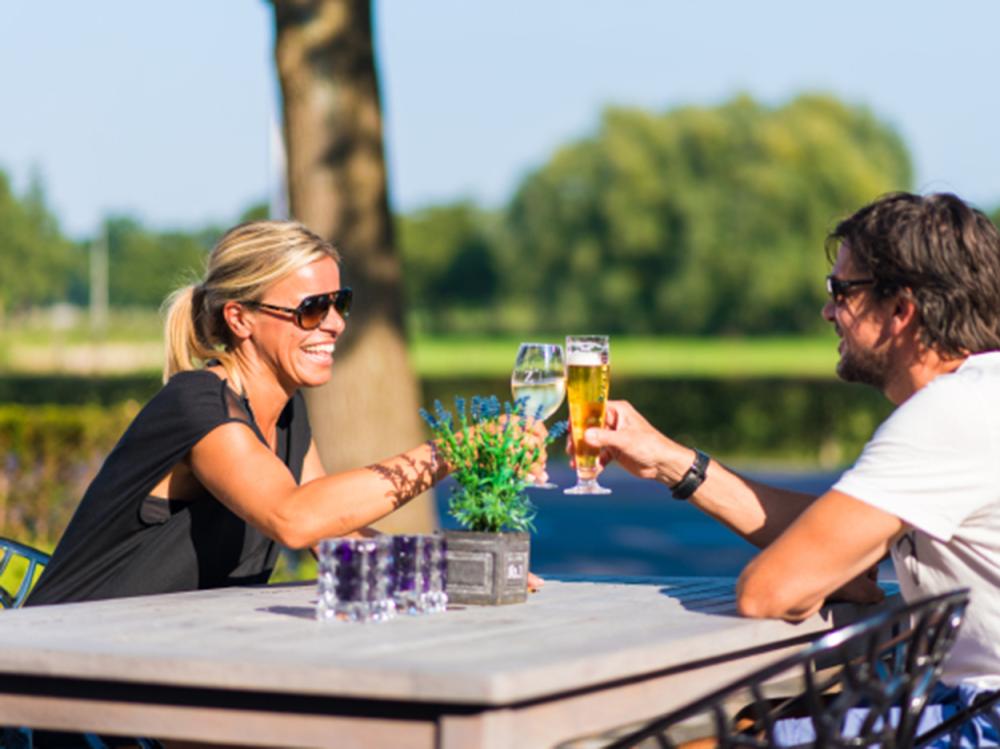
<point>974,385</point>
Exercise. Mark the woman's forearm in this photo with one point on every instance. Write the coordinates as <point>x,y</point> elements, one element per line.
<point>341,503</point>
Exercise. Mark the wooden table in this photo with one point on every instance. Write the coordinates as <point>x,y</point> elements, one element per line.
<point>252,666</point>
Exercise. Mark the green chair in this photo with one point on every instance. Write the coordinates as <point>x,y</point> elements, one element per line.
<point>21,563</point>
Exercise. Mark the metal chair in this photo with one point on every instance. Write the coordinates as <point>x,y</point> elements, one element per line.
<point>20,554</point>
<point>887,665</point>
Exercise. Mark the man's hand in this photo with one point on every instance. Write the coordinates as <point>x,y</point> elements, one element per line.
<point>862,589</point>
<point>632,441</point>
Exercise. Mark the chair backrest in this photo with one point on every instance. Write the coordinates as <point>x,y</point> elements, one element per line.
<point>886,665</point>
<point>19,566</point>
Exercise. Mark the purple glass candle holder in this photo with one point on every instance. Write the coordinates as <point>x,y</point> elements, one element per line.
<point>355,581</point>
<point>421,569</point>
<point>407,551</point>
<point>435,596</point>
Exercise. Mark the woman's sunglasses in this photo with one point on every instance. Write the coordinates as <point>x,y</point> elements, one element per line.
<point>312,310</point>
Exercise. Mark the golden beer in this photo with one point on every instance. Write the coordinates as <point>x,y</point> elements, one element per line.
<point>587,387</point>
<point>588,377</point>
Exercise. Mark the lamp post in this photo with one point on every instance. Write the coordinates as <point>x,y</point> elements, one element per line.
<point>99,282</point>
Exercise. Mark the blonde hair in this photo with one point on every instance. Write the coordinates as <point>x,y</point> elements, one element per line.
<point>244,263</point>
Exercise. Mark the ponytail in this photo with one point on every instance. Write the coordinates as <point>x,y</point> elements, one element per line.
<point>185,348</point>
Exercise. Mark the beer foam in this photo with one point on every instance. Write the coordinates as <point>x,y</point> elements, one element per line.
<point>585,359</point>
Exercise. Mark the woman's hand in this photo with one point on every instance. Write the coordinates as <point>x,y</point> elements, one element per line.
<point>536,433</point>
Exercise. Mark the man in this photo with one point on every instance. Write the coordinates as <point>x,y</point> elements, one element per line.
<point>915,300</point>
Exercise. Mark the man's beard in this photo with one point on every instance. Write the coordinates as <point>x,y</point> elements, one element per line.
<point>866,366</point>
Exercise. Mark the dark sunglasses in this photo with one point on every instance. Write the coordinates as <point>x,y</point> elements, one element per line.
<point>839,288</point>
<point>312,310</point>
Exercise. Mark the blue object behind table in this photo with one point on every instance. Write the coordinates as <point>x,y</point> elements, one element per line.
<point>636,530</point>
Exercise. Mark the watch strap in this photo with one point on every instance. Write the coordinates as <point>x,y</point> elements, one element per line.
<point>693,478</point>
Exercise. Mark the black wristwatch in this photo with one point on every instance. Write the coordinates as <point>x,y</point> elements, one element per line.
<point>693,478</point>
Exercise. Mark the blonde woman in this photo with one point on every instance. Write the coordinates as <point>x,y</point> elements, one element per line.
<point>219,468</point>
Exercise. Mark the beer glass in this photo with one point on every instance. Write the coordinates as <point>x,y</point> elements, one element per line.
<point>539,377</point>
<point>587,381</point>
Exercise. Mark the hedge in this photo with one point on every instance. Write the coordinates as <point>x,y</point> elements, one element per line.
<point>51,452</point>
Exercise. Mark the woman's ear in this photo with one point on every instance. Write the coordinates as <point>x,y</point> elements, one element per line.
<point>238,320</point>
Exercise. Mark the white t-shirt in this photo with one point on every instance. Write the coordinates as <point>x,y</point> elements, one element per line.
<point>935,464</point>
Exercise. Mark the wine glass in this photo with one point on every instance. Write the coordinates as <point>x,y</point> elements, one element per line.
<point>588,378</point>
<point>539,377</point>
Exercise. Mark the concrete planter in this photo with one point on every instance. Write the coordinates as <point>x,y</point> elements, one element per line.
<point>487,568</point>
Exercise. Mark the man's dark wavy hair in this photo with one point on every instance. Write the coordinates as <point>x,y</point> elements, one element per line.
<point>939,251</point>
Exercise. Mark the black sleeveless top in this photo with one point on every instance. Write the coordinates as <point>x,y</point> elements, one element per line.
<point>123,542</point>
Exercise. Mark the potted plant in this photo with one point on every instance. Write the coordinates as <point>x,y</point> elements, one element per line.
<point>490,452</point>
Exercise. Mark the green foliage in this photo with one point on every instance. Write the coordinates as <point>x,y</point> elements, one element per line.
<point>256,212</point>
<point>452,270</point>
<point>802,421</point>
<point>700,220</point>
<point>491,457</point>
<point>145,266</point>
<point>36,261</point>
<point>77,390</point>
<point>50,454</point>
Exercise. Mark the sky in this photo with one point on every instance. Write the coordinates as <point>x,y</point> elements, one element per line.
<point>165,110</point>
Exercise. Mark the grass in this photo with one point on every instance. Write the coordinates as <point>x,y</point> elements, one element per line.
<point>133,343</point>
<point>790,356</point>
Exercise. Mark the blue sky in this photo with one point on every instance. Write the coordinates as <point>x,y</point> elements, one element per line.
<point>162,109</point>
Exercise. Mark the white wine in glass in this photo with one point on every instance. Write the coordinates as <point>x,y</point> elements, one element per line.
<point>588,379</point>
<point>539,377</point>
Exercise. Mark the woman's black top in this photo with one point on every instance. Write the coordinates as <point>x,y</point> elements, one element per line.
<point>123,542</point>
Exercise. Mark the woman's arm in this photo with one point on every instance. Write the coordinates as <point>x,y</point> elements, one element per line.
<point>249,479</point>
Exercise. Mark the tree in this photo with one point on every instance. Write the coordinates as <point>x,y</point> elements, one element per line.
<point>36,260</point>
<point>452,271</point>
<point>699,220</point>
<point>145,266</point>
<point>337,186</point>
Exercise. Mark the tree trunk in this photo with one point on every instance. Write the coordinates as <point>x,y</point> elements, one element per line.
<point>337,187</point>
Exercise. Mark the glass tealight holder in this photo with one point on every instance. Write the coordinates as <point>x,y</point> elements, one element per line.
<point>355,580</point>
<point>421,572</point>
<point>434,596</point>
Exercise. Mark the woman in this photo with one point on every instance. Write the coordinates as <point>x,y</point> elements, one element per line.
<point>220,466</point>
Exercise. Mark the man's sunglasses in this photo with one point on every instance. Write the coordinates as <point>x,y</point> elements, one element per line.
<point>839,288</point>
<point>312,310</point>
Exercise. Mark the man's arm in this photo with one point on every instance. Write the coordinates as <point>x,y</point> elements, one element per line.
<point>834,541</point>
<point>756,511</point>
<point>828,553</point>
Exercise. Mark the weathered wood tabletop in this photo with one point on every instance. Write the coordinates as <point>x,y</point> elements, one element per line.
<point>251,665</point>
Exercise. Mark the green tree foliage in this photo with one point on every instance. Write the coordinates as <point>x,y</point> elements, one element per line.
<point>699,220</point>
<point>36,261</point>
<point>145,266</point>
<point>452,273</point>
